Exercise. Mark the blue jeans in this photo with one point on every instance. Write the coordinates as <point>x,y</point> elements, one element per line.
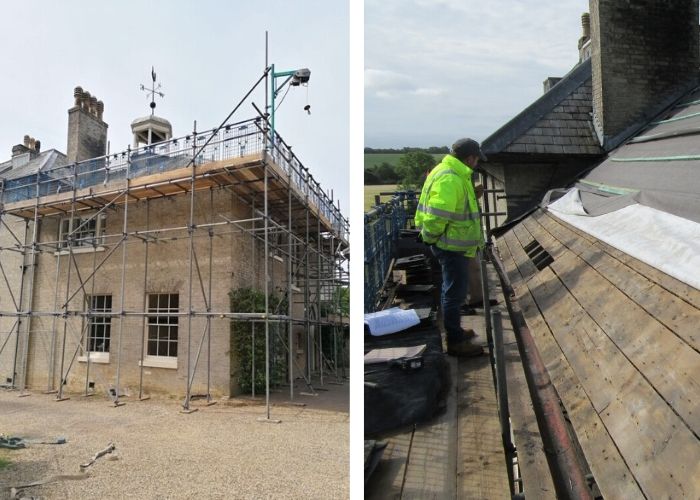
<point>454,289</point>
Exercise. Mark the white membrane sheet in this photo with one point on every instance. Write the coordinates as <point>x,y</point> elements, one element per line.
<point>667,242</point>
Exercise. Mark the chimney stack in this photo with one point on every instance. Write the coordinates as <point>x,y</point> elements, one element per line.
<point>19,149</point>
<point>644,56</point>
<point>87,132</point>
<point>25,152</point>
<point>550,82</point>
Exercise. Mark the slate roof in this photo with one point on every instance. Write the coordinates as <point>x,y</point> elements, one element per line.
<point>559,122</point>
<point>45,160</point>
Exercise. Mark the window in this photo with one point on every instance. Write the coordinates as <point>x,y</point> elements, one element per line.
<point>86,231</point>
<point>162,328</point>
<point>100,326</point>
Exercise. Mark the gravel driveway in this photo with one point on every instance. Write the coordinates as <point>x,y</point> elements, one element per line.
<point>220,451</point>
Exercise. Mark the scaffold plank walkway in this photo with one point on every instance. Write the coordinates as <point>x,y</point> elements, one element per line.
<point>458,454</point>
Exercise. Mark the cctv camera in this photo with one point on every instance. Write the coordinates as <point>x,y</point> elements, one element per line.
<point>301,76</point>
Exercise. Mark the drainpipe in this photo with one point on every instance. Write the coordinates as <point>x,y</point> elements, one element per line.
<point>567,472</point>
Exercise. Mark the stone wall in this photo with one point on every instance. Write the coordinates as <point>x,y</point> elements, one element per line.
<point>237,262</point>
<point>87,136</point>
<point>12,264</point>
<point>526,182</point>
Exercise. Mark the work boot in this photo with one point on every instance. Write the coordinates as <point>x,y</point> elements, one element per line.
<point>463,334</point>
<point>464,349</point>
<point>466,310</point>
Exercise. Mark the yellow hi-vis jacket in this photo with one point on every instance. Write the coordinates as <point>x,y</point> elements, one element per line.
<point>448,213</point>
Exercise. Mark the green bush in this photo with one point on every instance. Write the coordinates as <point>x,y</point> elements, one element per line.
<point>247,300</point>
<point>413,168</point>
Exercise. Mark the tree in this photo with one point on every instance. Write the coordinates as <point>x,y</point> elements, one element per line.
<point>386,173</point>
<point>413,168</point>
<point>371,178</point>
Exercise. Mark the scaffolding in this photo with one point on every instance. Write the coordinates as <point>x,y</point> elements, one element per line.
<point>295,228</point>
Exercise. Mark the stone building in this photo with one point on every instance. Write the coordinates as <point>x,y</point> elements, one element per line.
<point>117,268</point>
<point>551,141</point>
<point>605,98</point>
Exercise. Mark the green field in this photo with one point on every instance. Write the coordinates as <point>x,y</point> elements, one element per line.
<point>374,159</point>
<point>370,191</point>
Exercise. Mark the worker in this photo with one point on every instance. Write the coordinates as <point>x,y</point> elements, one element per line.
<point>449,221</point>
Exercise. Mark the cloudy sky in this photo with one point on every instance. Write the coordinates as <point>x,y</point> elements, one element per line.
<point>207,54</point>
<point>436,70</point>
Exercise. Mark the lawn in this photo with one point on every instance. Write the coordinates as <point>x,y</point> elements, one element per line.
<point>370,191</point>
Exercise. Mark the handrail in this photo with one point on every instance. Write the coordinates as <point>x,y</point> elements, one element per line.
<point>383,224</point>
<point>236,139</point>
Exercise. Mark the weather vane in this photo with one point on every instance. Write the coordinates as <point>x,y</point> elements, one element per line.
<point>153,91</point>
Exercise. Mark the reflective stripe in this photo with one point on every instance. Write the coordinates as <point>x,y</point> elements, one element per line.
<point>472,216</point>
<point>444,172</point>
<point>429,234</point>
<point>439,174</point>
<point>447,214</point>
<point>459,243</point>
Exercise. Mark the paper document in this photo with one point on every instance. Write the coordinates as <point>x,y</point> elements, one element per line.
<point>391,320</point>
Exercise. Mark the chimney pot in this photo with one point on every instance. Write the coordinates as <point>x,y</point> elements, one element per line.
<point>93,106</point>
<point>37,147</point>
<point>26,141</point>
<point>77,95</point>
<point>586,24</point>
<point>100,109</point>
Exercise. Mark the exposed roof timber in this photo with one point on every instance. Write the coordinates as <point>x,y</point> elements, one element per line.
<point>604,348</point>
